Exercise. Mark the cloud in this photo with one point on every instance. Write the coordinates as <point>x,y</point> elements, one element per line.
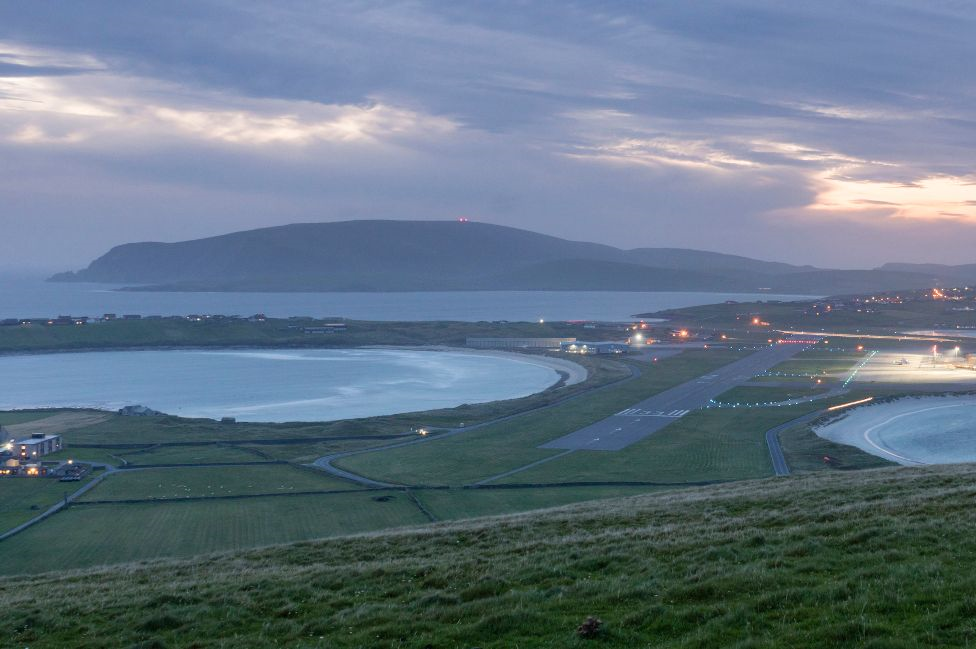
<point>692,154</point>
<point>82,107</point>
<point>738,125</point>
<point>928,199</point>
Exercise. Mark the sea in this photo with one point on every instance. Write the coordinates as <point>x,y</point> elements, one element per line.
<point>32,297</point>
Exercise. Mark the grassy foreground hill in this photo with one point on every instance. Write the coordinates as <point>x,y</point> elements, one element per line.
<point>868,559</point>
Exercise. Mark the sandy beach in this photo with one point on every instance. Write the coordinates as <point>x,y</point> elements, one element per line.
<point>574,372</point>
<point>910,431</point>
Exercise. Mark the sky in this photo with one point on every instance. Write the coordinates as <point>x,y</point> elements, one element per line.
<point>832,133</point>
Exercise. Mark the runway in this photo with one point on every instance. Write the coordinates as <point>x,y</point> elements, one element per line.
<point>654,413</point>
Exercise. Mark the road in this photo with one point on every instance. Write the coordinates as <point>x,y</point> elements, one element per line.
<point>633,424</point>
<point>772,441</point>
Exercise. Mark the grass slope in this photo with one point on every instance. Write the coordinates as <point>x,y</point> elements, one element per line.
<point>869,559</point>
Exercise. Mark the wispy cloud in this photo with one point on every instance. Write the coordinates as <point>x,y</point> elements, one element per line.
<point>78,108</point>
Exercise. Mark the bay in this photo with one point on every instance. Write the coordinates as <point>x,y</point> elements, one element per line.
<point>35,298</point>
<point>269,384</point>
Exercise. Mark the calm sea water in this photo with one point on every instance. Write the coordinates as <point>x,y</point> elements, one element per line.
<point>24,298</point>
<point>267,385</point>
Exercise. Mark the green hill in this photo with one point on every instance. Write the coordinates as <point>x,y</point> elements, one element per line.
<point>876,558</point>
<point>449,255</point>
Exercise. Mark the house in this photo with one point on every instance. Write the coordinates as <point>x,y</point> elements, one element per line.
<point>36,446</point>
<point>16,468</point>
<point>139,411</point>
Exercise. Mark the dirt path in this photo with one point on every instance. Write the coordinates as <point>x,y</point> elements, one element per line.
<point>57,424</point>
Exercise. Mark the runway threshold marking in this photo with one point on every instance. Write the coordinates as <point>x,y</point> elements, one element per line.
<point>637,412</point>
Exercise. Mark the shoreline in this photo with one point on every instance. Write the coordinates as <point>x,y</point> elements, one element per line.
<point>575,373</point>
<point>566,372</point>
<point>864,428</point>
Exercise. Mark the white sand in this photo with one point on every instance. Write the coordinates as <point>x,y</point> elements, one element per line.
<point>910,431</point>
<point>576,372</point>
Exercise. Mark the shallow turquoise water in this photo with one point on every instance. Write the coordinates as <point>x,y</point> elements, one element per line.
<point>267,385</point>
<point>911,431</point>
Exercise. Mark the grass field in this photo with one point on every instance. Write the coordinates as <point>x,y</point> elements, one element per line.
<point>100,455</point>
<point>773,394</point>
<point>862,559</point>
<point>273,333</point>
<point>87,535</point>
<point>820,363</point>
<point>302,453</point>
<point>10,418</point>
<point>197,482</point>
<point>879,318</point>
<point>481,453</point>
<point>21,499</point>
<point>189,455</point>
<point>159,430</point>
<point>708,445</point>
<point>142,531</point>
<point>702,446</point>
